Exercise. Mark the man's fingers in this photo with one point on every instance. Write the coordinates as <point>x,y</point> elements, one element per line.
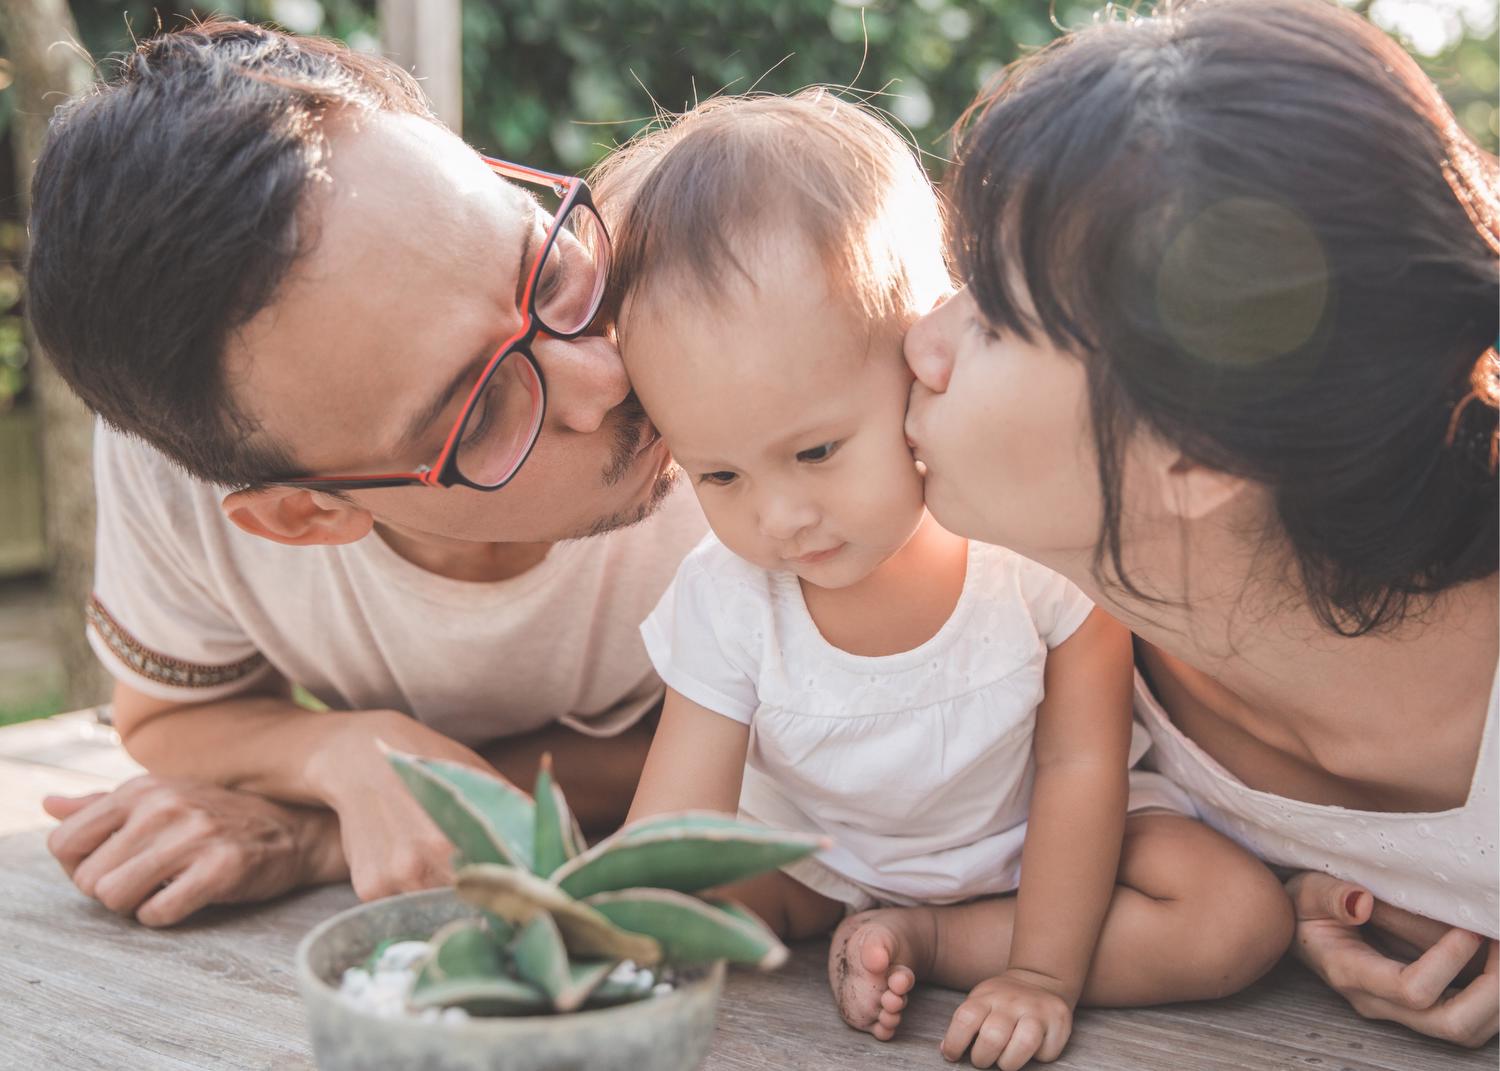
<point>140,875</point>
<point>61,807</point>
<point>81,834</point>
<point>198,886</point>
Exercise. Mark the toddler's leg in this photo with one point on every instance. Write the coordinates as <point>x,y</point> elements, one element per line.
<point>792,910</point>
<point>1193,917</point>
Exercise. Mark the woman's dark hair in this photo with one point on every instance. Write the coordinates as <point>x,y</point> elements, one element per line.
<point>165,214</point>
<point>1259,226</point>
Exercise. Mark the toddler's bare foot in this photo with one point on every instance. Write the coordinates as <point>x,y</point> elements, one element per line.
<point>871,964</point>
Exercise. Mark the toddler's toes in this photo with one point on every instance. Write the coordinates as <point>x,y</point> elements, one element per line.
<point>865,969</point>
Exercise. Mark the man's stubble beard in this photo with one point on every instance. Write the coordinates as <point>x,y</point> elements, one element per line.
<point>629,432</point>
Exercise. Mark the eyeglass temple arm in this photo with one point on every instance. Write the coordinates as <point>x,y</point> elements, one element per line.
<point>522,173</point>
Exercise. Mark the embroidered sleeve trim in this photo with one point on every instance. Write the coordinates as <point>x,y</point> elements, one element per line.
<point>164,669</point>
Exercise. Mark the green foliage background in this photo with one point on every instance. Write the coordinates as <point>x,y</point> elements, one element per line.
<point>555,83</point>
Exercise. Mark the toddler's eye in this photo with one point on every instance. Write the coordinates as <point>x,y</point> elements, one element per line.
<point>717,479</point>
<point>818,453</point>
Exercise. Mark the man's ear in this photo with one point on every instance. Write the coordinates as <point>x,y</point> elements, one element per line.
<point>296,517</point>
<point>1190,491</point>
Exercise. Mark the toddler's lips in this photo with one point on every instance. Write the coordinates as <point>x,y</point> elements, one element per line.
<point>818,555</point>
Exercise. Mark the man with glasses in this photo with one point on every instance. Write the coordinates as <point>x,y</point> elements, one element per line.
<point>361,419</point>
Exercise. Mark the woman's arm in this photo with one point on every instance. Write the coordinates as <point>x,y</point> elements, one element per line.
<point>696,762</point>
<point>1077,817</point>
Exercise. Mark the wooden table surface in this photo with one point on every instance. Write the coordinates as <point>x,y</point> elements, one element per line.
<point>82,989</point>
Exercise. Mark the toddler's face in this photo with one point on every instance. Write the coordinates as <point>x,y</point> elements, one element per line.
<point>786,409</point>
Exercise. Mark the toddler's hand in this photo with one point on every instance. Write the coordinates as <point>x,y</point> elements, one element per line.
<point>1010,1020</point>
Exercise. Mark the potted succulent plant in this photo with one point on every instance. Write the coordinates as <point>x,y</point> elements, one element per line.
<point>558,955</point>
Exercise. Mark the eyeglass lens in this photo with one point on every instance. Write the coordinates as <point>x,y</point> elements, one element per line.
<point>507,416</point>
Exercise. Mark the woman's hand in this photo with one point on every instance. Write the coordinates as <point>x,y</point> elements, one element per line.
<point>1421,994</point>
<point>1010,1020</point>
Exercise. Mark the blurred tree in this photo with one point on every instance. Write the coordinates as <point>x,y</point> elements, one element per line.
<point>30,29</point>
<point>557,84</point>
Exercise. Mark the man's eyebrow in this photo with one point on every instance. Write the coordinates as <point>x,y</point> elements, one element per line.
<point>421,421</point>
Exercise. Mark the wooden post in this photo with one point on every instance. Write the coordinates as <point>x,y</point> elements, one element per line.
<point>42,41</point>
<point>425,37</point>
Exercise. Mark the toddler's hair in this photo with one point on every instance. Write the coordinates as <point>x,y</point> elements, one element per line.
<point>688,200</point>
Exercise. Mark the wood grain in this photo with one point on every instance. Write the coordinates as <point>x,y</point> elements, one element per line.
<point>84,990</point>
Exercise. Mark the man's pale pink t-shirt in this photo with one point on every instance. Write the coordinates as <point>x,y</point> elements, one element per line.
<point>189,608</point>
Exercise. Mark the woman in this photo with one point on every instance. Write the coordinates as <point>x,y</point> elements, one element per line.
<point>1224,359</point>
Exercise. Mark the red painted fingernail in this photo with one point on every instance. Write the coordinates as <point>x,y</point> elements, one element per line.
<point>1351,902</point>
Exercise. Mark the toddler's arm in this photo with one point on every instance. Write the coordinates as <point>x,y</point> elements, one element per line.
<point>696,762</point>
<point>1077,816</point>
<point>1072,851</point>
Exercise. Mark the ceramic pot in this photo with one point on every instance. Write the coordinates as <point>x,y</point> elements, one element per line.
<point>665,1033</point>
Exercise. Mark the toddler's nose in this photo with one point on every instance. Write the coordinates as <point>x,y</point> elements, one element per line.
<point>782,518</point>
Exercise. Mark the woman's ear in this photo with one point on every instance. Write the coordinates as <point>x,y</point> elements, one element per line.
<point>1189,491</point>
<point>1193,491</point>
<point>296,517</point>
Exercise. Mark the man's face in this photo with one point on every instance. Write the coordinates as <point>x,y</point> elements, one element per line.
<point>409,286</point>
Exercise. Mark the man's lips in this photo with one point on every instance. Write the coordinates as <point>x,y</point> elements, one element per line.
<point>650,438</point>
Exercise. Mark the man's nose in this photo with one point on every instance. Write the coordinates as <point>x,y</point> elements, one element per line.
<point>585,380</point>
<point>782,516</point>
<point>929,350</point>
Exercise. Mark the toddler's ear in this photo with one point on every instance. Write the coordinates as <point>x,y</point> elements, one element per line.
<point>297,517</point>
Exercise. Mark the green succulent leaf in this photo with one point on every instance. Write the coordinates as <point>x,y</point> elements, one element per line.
<point>482,996</point>
<point>487,820</point>
<point>466,969</point>
<point>463,949</point>
<point>686,853</point>
<point>518,895</point>
<point>558,837</point>
<point>541,957</point>
<point>691,930</point>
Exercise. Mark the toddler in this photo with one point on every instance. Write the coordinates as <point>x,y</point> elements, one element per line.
<point>954,717</point>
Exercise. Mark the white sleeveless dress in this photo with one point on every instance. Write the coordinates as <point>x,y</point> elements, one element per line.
<point>1442,864</point>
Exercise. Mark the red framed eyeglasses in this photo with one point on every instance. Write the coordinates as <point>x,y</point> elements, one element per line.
<point>502,416</point>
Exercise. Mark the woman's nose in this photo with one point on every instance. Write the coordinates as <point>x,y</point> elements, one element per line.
<point>929,352</point>
<point>585,380</point>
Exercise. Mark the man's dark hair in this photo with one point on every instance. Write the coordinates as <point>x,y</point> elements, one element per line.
<point>165,213</point>
<point>1261,230</point>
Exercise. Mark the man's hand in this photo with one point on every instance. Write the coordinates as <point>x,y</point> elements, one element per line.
<point>1010,1020</point>
<point>1421,994</point>
<point>389,842</point>
<point>161,849</point>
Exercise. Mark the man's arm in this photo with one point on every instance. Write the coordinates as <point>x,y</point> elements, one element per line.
<point>208,844</point>
<point>266,744</point>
